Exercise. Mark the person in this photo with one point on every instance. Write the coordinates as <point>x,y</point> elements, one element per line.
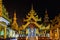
<point>31,34</point>
<point>16,36</point>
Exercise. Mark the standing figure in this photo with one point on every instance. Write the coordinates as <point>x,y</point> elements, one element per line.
<point>32,32</point>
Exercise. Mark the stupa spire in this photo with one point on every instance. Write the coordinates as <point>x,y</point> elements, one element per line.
<point>15,16</point>
<point>46,14</point>
<point>46,18</point>
<point>0,8</point>
<point>32,12</point>
<point>32,7</point>
<point>14,24</point>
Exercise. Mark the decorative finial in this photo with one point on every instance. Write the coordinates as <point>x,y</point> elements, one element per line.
<point>46,11</point>
<point>15,15</point>
<point>32,10</point>
<point>14,24</point>
<point>46,19</point>
<point>32,7</point>
<point>46,14</point>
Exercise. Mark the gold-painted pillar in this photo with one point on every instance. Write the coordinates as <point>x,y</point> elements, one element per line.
<point>5,32</point>
<point>19,31</point>
<point>27,38</point>
<point>57,33</point>
<point>54,34</point>
<point>51,34</point>
<point>36,37</point>
<point>0,27</point>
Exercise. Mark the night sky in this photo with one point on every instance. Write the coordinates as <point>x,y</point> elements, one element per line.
<point>22,7</point>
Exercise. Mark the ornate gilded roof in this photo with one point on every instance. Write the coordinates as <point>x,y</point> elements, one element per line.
<point>32,15</point>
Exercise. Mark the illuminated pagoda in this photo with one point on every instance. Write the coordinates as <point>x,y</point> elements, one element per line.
<point>14,24</point>
<point>33,27</point>
<point>13,27</point>
<point>31,22</point>
<point>4,20</point>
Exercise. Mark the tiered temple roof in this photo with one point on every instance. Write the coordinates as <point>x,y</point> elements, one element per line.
<point>32,17</point>
<point>4,14</point>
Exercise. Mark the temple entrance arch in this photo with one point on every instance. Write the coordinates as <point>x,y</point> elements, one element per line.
<point>32,30</point>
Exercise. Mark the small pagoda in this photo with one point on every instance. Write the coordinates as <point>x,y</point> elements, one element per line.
<point>14,23</point>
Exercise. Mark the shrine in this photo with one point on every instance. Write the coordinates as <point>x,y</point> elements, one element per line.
<point>33,28</point>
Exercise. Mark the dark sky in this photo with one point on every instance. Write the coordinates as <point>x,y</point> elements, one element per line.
<point>22,7</point>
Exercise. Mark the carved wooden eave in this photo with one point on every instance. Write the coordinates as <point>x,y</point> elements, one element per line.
<point>39,26</point>
<point>55,26</point>
<point>45,28</point>
<point>24,26</point>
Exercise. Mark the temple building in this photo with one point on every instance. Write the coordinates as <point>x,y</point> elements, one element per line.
<point>32,29</point>
<point>4,20</point>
